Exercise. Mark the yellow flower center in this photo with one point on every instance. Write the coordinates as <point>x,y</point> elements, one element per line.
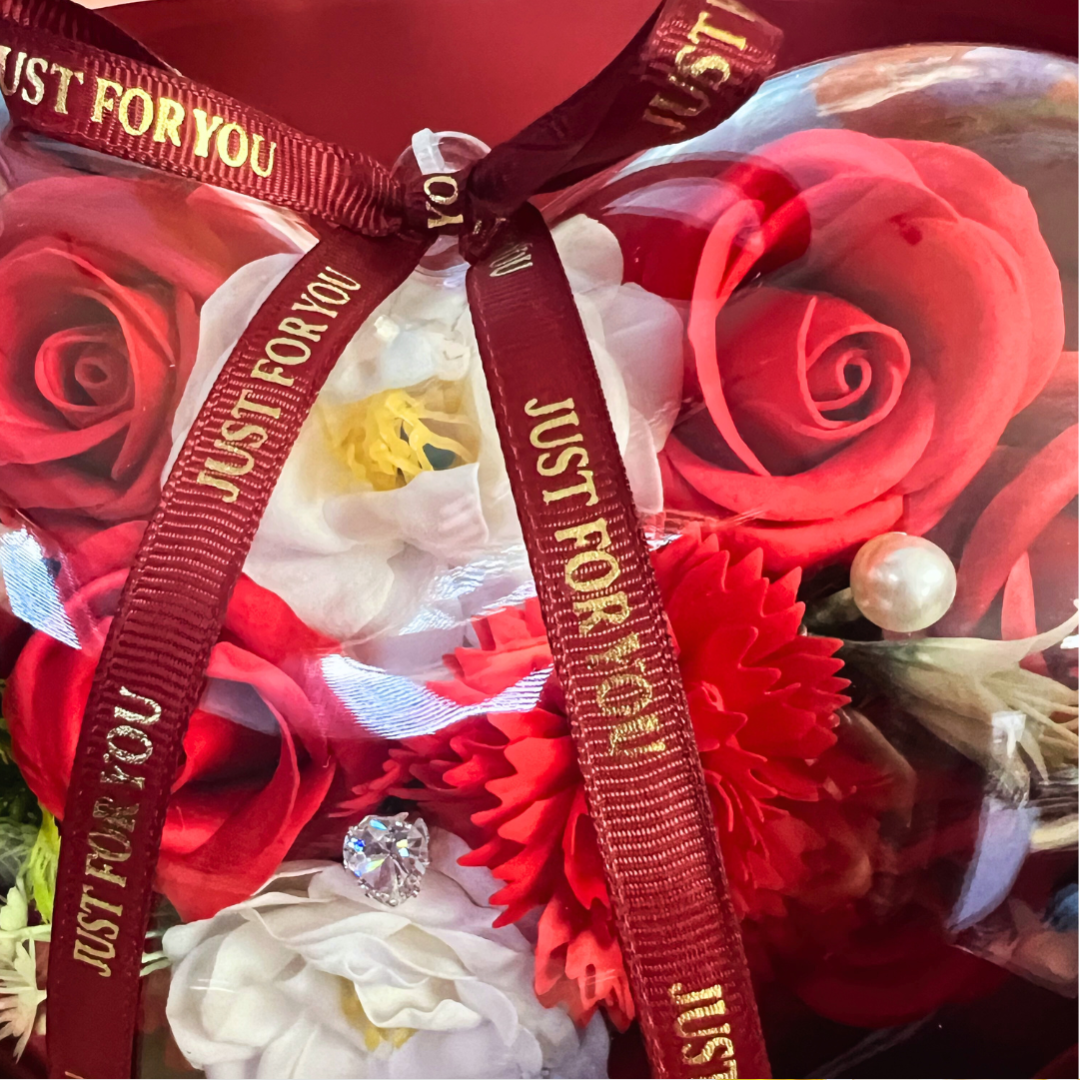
<point>374,1036</point>
<point>388,439</point>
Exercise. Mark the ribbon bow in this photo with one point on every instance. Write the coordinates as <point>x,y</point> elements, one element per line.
<point>69,74</point>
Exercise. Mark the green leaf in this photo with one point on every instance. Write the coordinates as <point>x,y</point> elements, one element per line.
<point>41,867</point>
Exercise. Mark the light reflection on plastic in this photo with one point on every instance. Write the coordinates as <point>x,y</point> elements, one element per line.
<point>523,592</point>
<point>656,541</point>
<point>396,707</point>
<point>459,582</point>
<point>1004,841</point>
<point>429,619</point>
<point>31,588</point>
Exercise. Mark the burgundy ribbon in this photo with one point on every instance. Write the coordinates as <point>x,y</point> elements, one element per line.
<point>643,778</point>
<point>69,74</point>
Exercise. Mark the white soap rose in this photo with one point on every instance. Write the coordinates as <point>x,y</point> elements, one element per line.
<point>309,978</point>
<point>358,538</point>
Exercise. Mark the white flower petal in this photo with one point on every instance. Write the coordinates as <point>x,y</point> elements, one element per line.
<point>643,466</point>
<point>590,253</point>
<point>264,989</point>
<point>439,512</point>
<point>308,1049</point>
<point>328,544</point>
<point>464,1054</point>
<point>338,594</point>
<point>644,335</point>
<point>223,318</point>
<point>420,1006</point>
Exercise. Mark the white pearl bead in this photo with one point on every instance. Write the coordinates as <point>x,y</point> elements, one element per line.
<point>902,583</point>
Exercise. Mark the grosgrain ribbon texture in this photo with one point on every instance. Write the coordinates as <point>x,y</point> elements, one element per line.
<point>692,65</point>
<point>142,113</point>
<point>150,675</point>
<point>605,621</point>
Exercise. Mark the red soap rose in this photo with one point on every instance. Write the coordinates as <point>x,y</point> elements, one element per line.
<point>1013,532</point>
<point>866,315</point>
<point>256,767</point>
<point>895,973</point>
<point>101,284</point>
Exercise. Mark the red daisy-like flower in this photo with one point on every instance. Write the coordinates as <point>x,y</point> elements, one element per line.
<point>763,699</point>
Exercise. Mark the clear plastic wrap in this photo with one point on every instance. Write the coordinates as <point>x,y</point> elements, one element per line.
<point>836,337</point>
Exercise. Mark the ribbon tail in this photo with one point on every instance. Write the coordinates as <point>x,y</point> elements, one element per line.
<point>691,66</point>
<point>68,74</point>
<point>631,726</point>
<point>152,668</point>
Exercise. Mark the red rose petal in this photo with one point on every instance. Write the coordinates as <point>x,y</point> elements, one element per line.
<point>1009,525</point>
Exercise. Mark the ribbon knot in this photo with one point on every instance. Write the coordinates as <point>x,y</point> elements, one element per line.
<point>434,175</point>
<point>440,198</point>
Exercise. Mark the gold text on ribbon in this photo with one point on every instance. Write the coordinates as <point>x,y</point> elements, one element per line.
<point>242,436</point>
<point>129,745</point>
<point>624,690</point>
<point>154,117</point>
<point>706,1040</point>
<point>698,71</point>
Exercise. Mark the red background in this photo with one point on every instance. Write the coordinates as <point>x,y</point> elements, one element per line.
<point>368,73</point>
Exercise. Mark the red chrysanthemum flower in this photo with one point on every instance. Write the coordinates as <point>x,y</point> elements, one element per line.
<point>763,699</point>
